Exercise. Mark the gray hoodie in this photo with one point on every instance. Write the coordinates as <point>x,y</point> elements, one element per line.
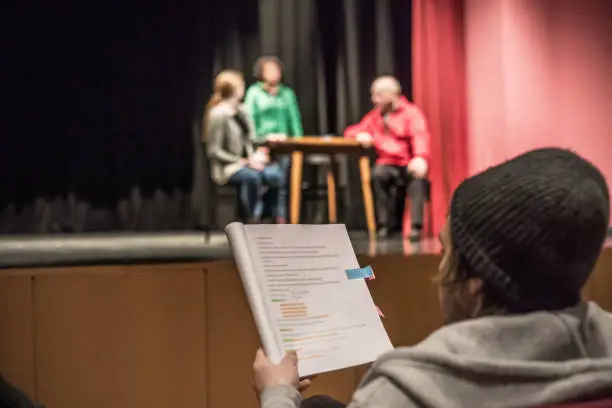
<point>497,361</point>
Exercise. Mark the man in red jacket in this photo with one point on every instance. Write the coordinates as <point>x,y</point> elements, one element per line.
<point>398,131</point>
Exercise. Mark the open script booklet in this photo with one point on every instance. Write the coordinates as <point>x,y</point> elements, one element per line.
<point>303,298</point>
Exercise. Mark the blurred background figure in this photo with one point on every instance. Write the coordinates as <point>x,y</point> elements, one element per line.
<point>228,132</point>
<point>398,131</point>
<point>272,105</point>
<point>275,113</point>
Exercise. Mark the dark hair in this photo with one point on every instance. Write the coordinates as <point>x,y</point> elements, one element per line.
<point>261,61</point>
<point>457,275</point>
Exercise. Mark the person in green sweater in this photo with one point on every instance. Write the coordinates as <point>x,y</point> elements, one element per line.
<point>275,113</point>
<point>273,106</point>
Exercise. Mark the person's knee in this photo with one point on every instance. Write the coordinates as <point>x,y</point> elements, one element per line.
<point>252,177</point>
<point>274,177</point>
<point>380,173</point>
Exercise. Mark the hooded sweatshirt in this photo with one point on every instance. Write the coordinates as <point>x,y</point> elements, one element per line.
<point>521,361</point>
<point>398,136</point>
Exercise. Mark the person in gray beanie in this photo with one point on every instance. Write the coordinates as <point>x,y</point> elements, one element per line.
<point>520,242</point>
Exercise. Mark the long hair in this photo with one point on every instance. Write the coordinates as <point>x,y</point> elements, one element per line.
<point>226,83</point>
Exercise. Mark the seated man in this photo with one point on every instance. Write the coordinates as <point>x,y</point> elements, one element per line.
<point>398,131</point>
<point>520,242</point>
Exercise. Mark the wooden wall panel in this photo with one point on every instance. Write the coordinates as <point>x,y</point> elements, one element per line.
<point>124,337</point>
<point>339,385</point>
<point>16,332</point>
<point>233,340</point>
<point>404,291</point>
<point>180,335</point>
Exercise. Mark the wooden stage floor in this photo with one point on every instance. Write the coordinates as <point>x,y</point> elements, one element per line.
<point>362,245</point>
<point>18,251</point>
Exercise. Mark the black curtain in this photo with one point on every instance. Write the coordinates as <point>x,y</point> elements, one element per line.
<point>331,49</point>
<point>96,115</point>
<point>102,101</point>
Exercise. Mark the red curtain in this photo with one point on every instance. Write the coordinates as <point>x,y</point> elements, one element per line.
<point>440,91</point>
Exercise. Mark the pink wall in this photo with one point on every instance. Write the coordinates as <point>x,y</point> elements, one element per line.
<point>539,74</point>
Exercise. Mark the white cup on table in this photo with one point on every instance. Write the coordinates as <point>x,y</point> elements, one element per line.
<point>365,139</point>
<point>276,137</point>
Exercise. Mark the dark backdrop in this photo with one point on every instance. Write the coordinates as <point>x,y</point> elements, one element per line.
<point>102,100</point>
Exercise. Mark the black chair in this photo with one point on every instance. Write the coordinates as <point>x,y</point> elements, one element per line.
<point>314,190</point>
<point>209,197</point>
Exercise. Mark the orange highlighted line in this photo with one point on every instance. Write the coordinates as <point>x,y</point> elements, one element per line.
<point>288,309</point>
<point>283,305</point>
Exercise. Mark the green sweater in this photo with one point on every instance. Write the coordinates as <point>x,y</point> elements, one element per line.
<point>271,114</point>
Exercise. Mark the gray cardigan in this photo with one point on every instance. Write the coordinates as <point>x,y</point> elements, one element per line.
<point>226,142</point>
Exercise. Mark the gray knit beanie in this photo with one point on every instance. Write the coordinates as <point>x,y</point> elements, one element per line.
<point>533,227</point>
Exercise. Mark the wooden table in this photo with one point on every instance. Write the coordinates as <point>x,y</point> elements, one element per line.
<point>329,146</point>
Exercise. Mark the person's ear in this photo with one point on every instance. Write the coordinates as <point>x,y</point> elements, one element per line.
<point>474,289</point>
<point>474,286</point>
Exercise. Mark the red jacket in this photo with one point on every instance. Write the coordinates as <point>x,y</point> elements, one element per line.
<point>405,135</point>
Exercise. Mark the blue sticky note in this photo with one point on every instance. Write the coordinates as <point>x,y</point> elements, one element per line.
<point>360,273</point>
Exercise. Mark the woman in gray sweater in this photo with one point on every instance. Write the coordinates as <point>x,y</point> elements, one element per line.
<point>228,132</point>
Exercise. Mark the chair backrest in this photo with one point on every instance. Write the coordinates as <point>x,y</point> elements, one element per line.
<point>204,191</point>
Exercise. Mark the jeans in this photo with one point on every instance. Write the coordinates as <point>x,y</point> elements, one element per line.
<point>282,162</point>
<point>249,183</point>
<point>390,185</point>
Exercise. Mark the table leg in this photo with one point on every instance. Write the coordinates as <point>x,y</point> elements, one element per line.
<point>366,188</point>
<point>297,158</point>
<point>331,191</point>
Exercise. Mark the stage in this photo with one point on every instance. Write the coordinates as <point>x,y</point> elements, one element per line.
<point>18,251</point>
<point>130,248</point>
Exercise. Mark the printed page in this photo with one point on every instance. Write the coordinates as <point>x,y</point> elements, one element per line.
<point>313,307</point>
